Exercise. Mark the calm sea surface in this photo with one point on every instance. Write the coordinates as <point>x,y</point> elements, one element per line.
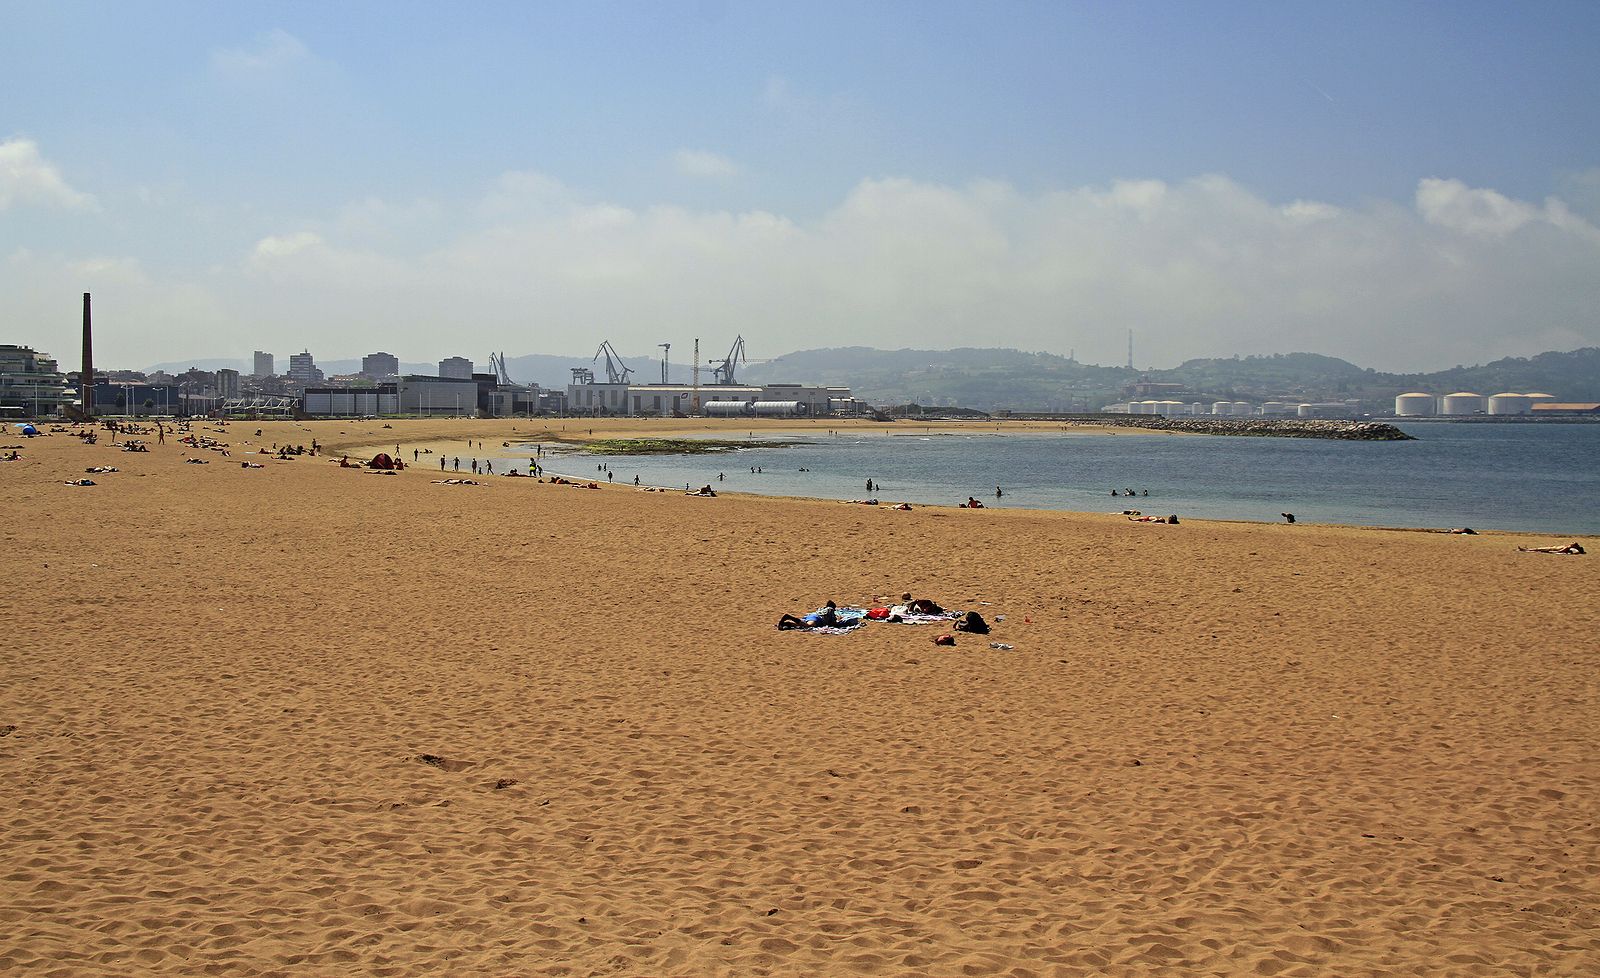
<point>1534,477</point>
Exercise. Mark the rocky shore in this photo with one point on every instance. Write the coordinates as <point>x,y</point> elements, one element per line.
<point>1338,430</point>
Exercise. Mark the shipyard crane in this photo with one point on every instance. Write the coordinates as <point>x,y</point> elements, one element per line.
<point>723,373</point>
<point>617,372</point>
<point>497,363</point>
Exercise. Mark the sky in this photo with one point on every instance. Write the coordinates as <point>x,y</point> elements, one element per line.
<point>1410,186</point>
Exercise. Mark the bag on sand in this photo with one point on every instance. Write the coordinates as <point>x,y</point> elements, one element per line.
<point>974,623</point>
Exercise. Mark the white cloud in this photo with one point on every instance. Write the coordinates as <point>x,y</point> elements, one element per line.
<point>26,177</point>
<point>1452,204</point>
<point>1198,267</point>
<point>701,163</point>
<point>285,245</point>
<point>271,53</point>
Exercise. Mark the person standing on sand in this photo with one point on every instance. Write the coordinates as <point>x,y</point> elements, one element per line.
<point>458,463</point>
<point>441,463</point>
<point>474,466</point>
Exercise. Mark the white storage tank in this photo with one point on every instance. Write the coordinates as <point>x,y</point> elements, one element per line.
<point>1197,408</point>
<point>780,409</point>
<point>1222,407</point>
<point>1271,407</point>
<point>1461,403</point>
<point>725,409</point>
<point>1414,405</point>
<point>1171,408</point>
<point>1509,403</point>
<point>1243,409</point>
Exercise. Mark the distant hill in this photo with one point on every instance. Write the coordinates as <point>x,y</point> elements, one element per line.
<point>989,379</point>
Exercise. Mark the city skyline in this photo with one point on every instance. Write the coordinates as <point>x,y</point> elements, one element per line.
<point>1410,184</point>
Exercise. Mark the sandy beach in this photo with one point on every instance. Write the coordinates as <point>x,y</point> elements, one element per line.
<point>305,720</point>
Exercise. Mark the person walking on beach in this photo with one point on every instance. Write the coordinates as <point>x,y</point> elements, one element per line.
<point>636,479</point>
<point>488,466</point>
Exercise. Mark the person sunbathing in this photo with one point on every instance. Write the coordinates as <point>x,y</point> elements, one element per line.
<point>827,617</point>
<point>1571,548</point>
<point>920,606</point>
<point>1153,519</point>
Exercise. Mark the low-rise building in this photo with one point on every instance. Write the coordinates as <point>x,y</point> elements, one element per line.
<point>430,396</point>
<point>667,400</point>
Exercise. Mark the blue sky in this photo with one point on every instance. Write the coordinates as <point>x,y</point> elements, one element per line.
<point>1223,178</point>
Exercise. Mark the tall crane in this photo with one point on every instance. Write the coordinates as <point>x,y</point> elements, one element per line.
<point>497,363</point>
<point>617,372</point>
<point>723,373</point>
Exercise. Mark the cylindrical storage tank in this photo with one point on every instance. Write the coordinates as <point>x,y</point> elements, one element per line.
<point>1271,407</point>
<point>1197,408</point>
<point>1222,407</point>
<point>1414,405</point>
<point>1509,403</point>
<point>1243,409</point>
<point>1170,408</point>
<point>1305,410</point>
<point>1151,406</point>
<point>781,409</point>
<point>725,409</point>
<point>1460,403</point>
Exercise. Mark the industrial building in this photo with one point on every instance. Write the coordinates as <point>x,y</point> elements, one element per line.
<point>668,400</point>
<point>352,402</point>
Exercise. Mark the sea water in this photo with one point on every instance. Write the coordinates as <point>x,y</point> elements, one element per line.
<point>1516,476</point>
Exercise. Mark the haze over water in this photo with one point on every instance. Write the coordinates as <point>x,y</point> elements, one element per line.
<point>1530,477</point>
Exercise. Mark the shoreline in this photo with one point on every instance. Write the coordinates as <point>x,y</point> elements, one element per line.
<point>358,438</point>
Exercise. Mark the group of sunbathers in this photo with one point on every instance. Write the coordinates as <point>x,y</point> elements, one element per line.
<point>828,615</point>
<point>1571,548</point>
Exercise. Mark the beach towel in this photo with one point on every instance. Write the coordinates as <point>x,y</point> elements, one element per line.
<point>849,619</point>
<point>899,613</point>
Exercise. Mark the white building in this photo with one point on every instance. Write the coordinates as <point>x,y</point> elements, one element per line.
<point>455,368</point>
<point>30,384</point>
<point>666,400</point>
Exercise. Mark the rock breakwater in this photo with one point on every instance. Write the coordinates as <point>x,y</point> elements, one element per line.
<point>1261,427</point>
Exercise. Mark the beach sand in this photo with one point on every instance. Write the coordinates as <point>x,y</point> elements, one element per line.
<point>305,720</point>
